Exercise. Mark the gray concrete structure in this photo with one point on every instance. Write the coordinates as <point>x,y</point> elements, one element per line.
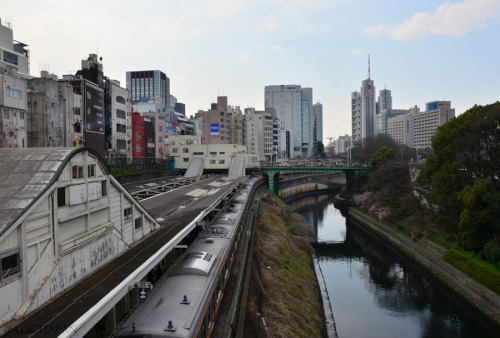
<point>12,108</point>
<point>384,101</point>
<point>318,122</point>
<point>45,115</point>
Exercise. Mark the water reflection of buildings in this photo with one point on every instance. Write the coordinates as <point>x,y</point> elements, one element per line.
<point>313,209</point>
<point>394,284</point>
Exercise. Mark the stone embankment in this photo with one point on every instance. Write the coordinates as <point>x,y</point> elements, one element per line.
<point>480,296</point>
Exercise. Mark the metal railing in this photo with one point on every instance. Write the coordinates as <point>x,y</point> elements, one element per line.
<point>139,164</point>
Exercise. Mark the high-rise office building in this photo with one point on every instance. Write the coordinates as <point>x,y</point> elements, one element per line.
<point>384,101</point>
<point>293,107</point>
<point>318,125</point>
<point>363,110</point>
<point>436,114</point>
<point>356,117</point>
<point>149,85</point>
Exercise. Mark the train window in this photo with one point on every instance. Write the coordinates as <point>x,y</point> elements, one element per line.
<point>206,322</point>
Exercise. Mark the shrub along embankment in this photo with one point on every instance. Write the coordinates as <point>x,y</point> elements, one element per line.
<point>480,296</point>
<point>283,285</point>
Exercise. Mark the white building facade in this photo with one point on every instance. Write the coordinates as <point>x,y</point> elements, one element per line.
<point>13,53</point>
<point>356,117</point>
<point>259,133</point>
<point>121,123</point>
<point>436,114</point>
<point>293,107</point>
<point>401,129</point>
<point>183,148</point>
<point>74,219</point>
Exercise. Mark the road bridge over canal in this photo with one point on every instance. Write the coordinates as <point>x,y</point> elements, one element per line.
<point>273,173</point>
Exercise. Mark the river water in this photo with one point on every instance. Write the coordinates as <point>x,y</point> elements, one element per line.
<point>375,292</point>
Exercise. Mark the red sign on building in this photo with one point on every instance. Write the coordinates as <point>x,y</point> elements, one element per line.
<point>138,145</point>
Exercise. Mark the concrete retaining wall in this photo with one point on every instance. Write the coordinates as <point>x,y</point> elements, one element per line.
<point>478,295</point>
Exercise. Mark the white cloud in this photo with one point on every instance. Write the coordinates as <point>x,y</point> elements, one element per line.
<point>375,30</point>
<point>278,48</point>
<point>260,46</point>
<point>245,57</point>
<point>357,51</point>
<point>271,23</point>
<point>449,19</point>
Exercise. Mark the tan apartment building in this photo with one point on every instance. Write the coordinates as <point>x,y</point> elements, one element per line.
<point>216,123</point>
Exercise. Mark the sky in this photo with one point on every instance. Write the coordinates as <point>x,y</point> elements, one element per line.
<point>421,50</point>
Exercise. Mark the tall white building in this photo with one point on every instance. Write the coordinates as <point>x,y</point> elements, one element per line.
<point>13,53</point>
<point>259,133</point>
<point>384,115</point>
<point>400,128</point>
<point>342,144</point>
<point>121,131</point>
<point>436,114</point>
<point>356,117</point>
<point>293,106</point>
<point>363,110</point>
<point>367,108</point>
<point>417,128</point>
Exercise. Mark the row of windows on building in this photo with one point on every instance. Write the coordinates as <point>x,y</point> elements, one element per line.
<point>186,150</point>
<point>6,114</point>
<point>187,159</point>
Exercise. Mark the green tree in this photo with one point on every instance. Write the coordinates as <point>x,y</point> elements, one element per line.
<point>481,208</point>
<point>382,155</point>
<point>465,148</point>
<point>320,149</point>
<point>362,153</point>
<point>390,181</point>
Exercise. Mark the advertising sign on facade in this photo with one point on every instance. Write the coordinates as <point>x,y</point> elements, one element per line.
<point>214,129</point>
<point>170,126</point>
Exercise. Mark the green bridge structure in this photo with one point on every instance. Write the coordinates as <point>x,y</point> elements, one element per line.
<point>273,173</point>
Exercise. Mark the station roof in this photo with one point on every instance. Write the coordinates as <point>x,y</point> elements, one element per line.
<point>25,175</point>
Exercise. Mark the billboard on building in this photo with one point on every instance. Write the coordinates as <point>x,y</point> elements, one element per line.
<point>214,129</point>
<point>93,114</point>
<point>170,126</point>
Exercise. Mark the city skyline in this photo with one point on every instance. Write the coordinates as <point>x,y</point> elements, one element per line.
<point>421,52</point>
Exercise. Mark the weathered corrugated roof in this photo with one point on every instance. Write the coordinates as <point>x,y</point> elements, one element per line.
<point>25,174</point>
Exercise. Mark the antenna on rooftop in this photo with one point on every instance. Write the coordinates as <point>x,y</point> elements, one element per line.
<point>368,66</point>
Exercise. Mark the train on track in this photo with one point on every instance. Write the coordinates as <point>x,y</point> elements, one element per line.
<point>185,302</point>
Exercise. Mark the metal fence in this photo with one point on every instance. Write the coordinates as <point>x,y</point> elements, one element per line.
<point>139,164</point>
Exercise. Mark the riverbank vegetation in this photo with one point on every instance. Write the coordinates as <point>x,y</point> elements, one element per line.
<point>283,287</point>
<point>452,198</point>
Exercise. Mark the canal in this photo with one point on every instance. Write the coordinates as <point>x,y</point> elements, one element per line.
<point>374,291</point>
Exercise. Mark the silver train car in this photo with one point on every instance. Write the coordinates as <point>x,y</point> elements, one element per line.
<point>185,302</point>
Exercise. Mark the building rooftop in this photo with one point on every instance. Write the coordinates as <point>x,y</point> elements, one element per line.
<point>25,175</point>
